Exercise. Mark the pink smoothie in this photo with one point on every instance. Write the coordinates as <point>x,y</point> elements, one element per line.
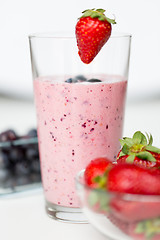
<point>77,122</point>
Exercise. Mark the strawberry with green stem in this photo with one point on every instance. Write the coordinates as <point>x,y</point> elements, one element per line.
<point>95,174</point>
<point>95,177</point>
<point>139,150</point>
<point>93,30</point>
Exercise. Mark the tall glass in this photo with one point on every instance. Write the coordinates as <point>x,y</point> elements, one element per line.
<point>80,112</point>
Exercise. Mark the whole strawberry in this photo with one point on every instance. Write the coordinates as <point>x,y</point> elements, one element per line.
<point>130,178</point>
<point>137,181</point>
<point>139,150</point>
<point>95,172</point>
<point>92,31</point>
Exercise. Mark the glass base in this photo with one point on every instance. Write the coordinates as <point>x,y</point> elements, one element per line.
<point>65,214</point>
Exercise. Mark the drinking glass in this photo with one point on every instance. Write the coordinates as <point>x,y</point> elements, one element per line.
<point>80,112</point>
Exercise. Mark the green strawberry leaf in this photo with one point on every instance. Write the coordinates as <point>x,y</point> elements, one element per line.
<point>121,154</point>
<point>97,179</point>
<point>146,156</point>
<point>104,201</point>
<point>98,13</point>
<point>143,139</point>
<point>87,13</point>
<point>149,235</point>
<point>111,20</point>
<point>101,180</point>
<point>150,139</point>
<point>93,198</point>
<point>126,140</point>
<point>140,228</point>
<point>100,10</point>
<point>152,149</point>
<point>99,198</point>
<point>130,159</point>
<point>86,10</point>
<point>149,228</point>
<point>125,149</point>
<point>139,138</point>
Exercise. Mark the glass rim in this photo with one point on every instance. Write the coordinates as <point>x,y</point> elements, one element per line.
<point>71,35</point>
<point>122,196</point>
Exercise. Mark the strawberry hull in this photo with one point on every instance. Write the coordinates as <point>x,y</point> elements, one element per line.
<point>134,233</point>
<point>95,172</point>
<point>137,230</point>
<point>139,150</point>
<point>97,201</point>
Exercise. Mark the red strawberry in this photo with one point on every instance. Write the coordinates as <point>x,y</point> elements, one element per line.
<point>92,31</point>
<point>95,173</point>
<point>133,211</point>
<point>130,178</point>
<point>133,179</point>
<point>139,150</point>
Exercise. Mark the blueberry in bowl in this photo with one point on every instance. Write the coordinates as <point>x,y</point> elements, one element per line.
<point>19,161</point>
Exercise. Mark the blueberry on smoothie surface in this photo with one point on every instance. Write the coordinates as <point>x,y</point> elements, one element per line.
<point>81,78</point>
<point>70,80</point>
<point>78,78</point>
<point>94,80</point>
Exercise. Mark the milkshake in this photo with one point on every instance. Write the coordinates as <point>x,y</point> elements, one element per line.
<point>77,122</point>
<point>80,113</point>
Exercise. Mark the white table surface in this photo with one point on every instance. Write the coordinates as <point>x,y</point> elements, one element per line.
<point>23,217</point>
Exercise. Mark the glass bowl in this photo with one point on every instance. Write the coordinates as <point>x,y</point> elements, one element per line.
<point>120,216</point>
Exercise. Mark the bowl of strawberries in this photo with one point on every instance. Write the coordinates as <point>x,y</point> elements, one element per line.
<point>122,199</point>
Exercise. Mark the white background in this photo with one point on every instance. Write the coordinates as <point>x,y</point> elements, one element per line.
<point>19,18</point>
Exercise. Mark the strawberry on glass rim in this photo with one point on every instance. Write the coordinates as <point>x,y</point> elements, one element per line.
<point>139,150</point>
<point>93,30</point>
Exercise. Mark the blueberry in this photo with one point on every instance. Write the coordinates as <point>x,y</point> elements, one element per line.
<point>8,182</point>
<point>4,174</point>
<point>78,78</point>
<point>94,80</point>
<point>4,160</point>
<point>81,78</point>
<point>8,135</point>
<point>71,80</point>
<point>16,154</point>
<point>34,177</point>
<point>21,180</point>
<point>22,168</point>
<point>32,133</point>
<point>35,166</point>
<point>32,152</point>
